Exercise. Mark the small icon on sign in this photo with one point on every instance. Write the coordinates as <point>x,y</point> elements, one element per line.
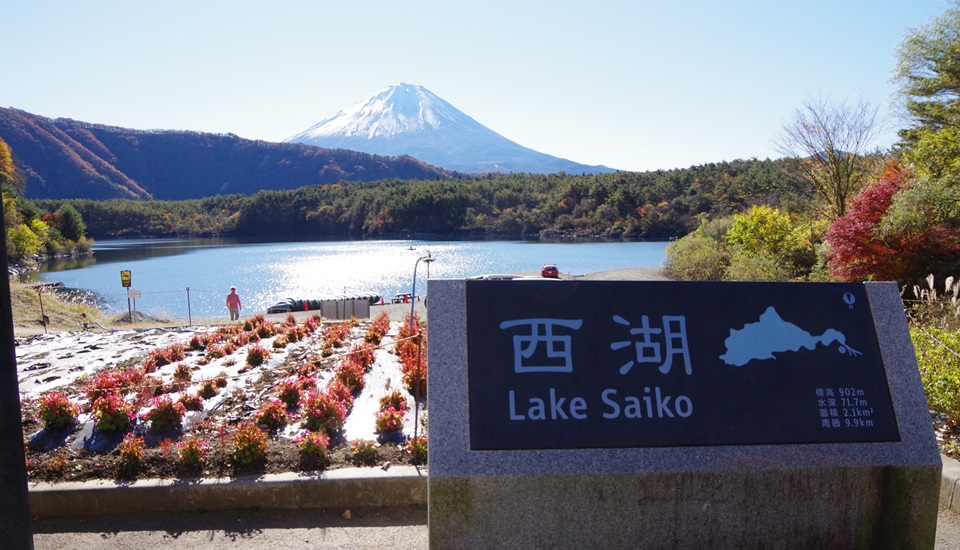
<point>849,299</point>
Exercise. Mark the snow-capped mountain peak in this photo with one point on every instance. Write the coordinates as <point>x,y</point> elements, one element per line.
<point>407,119</point>
<point>404,108</point>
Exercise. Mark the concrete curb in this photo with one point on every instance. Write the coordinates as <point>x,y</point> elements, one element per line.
<point>950,484</point>
<point>345,488</point>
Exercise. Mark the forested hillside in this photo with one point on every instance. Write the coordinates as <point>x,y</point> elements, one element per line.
<point>654,205</point>
<point>63,158</point>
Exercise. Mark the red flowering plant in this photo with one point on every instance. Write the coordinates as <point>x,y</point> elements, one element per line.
<point>208,389</point>
<point>165,414</point>
<point>191,402</point>
<point>417,447</point>
<point>56,411</point>
<point>266,329</point>
<point>192,452</point>
<point>198,342</point>
<point>257,355</point>
<point>350,372</point>
<point>107,381</point>
<point>131,451</point>
<point>272,415</point>
<point>288,391</point>
<point>249,445</point>
<point>322,411</point>
<point>112,413</point>
<point>182,374</point>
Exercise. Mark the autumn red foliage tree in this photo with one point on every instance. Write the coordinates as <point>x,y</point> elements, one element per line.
<point>860,252</point>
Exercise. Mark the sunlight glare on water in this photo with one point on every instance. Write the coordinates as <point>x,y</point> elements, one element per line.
<point>265,273</point>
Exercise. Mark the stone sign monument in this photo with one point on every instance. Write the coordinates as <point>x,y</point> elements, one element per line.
<point>672,414</point>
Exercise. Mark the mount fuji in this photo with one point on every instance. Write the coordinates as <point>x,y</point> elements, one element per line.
<point>407,119</point>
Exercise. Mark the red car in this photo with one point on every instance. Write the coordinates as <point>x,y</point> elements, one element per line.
<point>550,270</point>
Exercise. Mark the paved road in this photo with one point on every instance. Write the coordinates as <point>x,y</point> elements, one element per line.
<point>376,528</point>
<point>280,530</point>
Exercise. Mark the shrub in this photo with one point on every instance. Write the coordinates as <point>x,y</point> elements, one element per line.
<point>758,266</point>
<point>191,402</point>
<point>256,355</point>
<point>192,452</point>
<point>313,445</point>
<point>56,411</point>
<point>696,258</point>
<point>417,447</point>
<point>221,380</point>
<point>324,412</point>
<point>131,450</point>
<point>272,415</point>
<point>389,421</point>
<point>165,414</point>
<point>112,412</point>
<point>939,368</point>
<point>280,342</point>
<point>249,445</point>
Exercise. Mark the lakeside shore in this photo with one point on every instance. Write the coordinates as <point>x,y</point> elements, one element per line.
<point>397,312</point>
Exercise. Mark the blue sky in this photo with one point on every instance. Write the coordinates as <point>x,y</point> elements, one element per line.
<point>634,85</point>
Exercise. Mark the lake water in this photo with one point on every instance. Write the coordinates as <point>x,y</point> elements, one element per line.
<point>267,272</point>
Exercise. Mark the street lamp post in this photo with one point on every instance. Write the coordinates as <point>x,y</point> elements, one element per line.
<point>413,293</point>
<point>413,302</point>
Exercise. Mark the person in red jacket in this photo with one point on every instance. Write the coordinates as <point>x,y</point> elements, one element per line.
<point>233,304</point>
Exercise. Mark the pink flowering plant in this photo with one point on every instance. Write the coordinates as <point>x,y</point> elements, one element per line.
<point>56,411</point>
<point>389,421</point>
<point>112,413</point>
<point>322,411</point>
<point>394,399</point>
<point>165,414</point>
<point>313,446</point>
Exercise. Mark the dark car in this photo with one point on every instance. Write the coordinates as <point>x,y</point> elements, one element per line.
<point>550,270</point>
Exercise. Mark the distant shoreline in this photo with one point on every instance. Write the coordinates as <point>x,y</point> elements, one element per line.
<point>397,312</point>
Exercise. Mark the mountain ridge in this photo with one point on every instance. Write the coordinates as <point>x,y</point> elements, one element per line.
<point>64,158</point>
<point>410,119</point>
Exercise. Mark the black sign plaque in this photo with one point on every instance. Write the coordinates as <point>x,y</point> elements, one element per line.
<point>598,364</point>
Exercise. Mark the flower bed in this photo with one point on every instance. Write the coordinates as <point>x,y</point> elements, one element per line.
<point>214,405</point>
